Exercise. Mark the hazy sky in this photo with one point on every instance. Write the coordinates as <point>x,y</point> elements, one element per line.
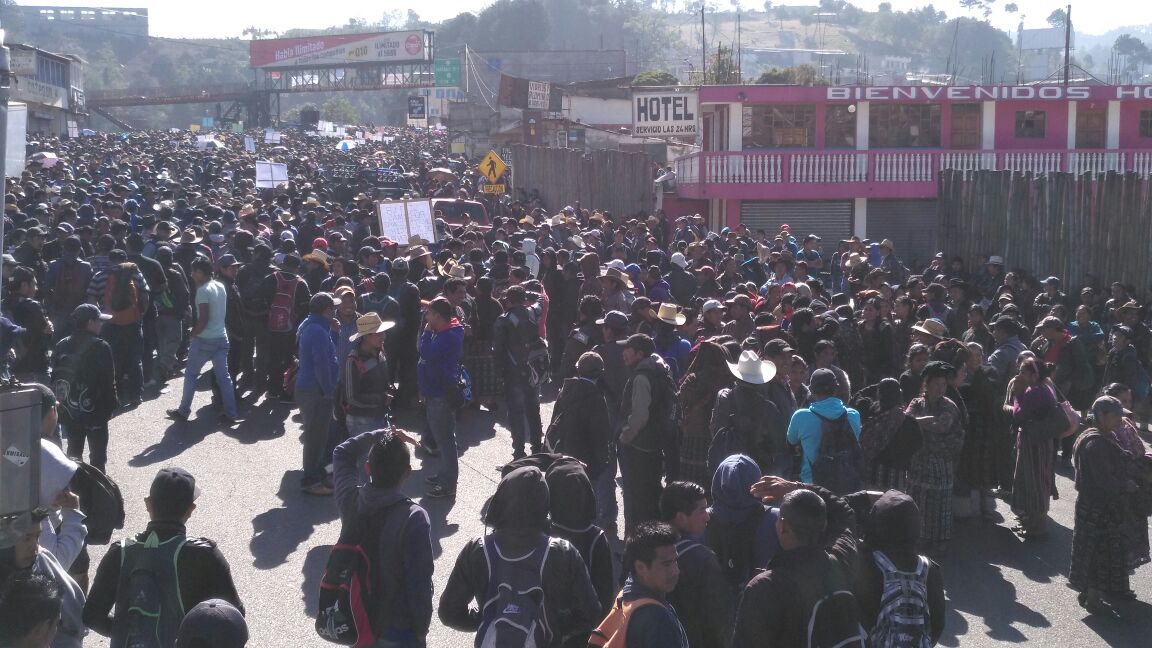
<point>222,18</point>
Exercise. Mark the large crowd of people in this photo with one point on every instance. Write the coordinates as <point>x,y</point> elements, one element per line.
<point>794,428</point>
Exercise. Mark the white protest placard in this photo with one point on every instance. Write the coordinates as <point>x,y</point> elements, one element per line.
<point>250,144</point>
<point>270,174</point>
<point>400,220</point>
<point>420,221</point>
<point>271,136</point>
<point>393,222</point>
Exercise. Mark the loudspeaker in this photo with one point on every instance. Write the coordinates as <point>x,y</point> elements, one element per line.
<point>309,118</point>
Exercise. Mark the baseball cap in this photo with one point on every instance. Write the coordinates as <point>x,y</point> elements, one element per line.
<point>823,381</point>
<point>117,255</point>
<point>590,365</point>
<point>777,347</point>
<point>711,305</point>
<point>216,623</point>
<point>227,261</point>
<point>614,320</point>
<point>173,489</point>
<point>85,313</point>
<point>322,301</point>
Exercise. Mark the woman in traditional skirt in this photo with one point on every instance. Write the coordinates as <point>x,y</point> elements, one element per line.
<point>1141,502</point>
<point>1100,548</point>
<point>706,376</point>
<point>888,437</point>
<point>976,473</point>
<point>478,360</point>
<point>933,469</point>
<point>1032,479</point>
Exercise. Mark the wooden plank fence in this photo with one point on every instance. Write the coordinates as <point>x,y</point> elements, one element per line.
<point>1051,224</point>
<point>616,181</point>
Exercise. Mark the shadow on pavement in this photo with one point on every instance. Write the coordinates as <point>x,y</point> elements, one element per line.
<point>975,583</point>
<point>1132,628</point>
<point>314,563</point>
<point>278,532</point>
<point>178,437</point>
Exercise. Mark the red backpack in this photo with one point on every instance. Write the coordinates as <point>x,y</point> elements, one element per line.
<point>281,312</point>
<point>121,295</point>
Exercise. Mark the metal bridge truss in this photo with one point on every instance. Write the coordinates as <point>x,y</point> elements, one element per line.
<point>258,103</point>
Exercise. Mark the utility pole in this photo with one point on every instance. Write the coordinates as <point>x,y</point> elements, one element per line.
<point>5,91</point>
<point>703,49</point>
<point>1067,43</point>
<point>739,50</point>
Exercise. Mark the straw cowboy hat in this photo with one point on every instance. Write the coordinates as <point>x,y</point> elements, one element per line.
<point>608,272</point>
<point>418,251</point>
<point>854,259</point>
<point>751,369</point>
<point>369,324</point>
<point>312,201</point>
<point>887,243</point>
<point>190,236</point>
<point>319,256</point>
<point>458,271</point>
<point>933,327</point>
<point>1130,305</point>
<point>671,314</point>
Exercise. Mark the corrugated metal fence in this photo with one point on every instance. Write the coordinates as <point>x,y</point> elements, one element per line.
<point>616,181</point>
<point>1051,224</point>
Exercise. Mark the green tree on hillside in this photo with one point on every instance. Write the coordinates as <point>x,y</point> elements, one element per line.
<point>655,78</point>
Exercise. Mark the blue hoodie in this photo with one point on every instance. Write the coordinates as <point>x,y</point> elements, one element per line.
<point>440,355</point>
<point>806,429</point>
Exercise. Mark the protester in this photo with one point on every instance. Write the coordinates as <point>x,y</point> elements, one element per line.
<point>209,342</point>
<point>646,432</point>
<point>441,347</point>
<point>163,550</point>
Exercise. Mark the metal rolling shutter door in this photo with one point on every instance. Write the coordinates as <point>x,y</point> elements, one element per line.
<point>831,220</point>
<point>911,224</point>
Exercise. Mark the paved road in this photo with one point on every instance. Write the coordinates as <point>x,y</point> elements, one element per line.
<point>277,540</point>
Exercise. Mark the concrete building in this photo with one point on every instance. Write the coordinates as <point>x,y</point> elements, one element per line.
<point>125,21</point>
<point>52,85</point>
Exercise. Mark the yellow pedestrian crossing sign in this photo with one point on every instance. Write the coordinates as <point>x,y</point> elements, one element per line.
<point>493,167</point>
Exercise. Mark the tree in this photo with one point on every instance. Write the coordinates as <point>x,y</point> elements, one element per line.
<point>655,78</point>
<point>1058,18</point>
<point>984,6</point>
<point>1011,8</point>
<point>339,110</point>
<point>804,75</point>
<point>722,68</point>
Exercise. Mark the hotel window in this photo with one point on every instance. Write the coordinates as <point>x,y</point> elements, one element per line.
<point>1030,124</point>
<point>904,126</point>
<point>967,126</point>
<point>1091,129</point>
<point>1146,123</point>
<point>788,126</point>
<point>839,127</point>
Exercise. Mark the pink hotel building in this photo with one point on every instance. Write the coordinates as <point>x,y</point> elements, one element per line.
<point>865,160</point>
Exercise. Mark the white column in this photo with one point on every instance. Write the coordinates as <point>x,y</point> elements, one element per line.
<point>1072,124</point>
<point>735,127</point>
<point>862,131</point>
<point>860,221</point>
<point>1112,139</point>
<point>988,126</point>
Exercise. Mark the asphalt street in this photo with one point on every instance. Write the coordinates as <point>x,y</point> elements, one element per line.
<point>1000,590</point>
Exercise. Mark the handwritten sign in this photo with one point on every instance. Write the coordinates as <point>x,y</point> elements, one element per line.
<point>402,219</point>
<point>270,174</point>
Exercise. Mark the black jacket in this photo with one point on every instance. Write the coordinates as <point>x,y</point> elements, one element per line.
<point>776,605</point>
<point>702,597</point>
<point>203,572</point>
<point>518,513</point>
<point>91,398</point>
<point>581,424</point>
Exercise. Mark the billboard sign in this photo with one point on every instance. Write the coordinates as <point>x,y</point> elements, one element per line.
<point>665,113</point>
<point>342,49</point>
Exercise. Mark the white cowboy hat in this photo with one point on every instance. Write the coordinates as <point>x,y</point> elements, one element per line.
<point>751,369</point>
<point>671,314</point>
<point>369,324</point>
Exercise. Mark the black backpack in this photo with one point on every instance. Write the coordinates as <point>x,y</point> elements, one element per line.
<point>839,465</point>
<point>70,394</point>
<point>529,351</point>
<point>149,608</point>
<point>350,605</point>
<point>101,501</point>
<point>833,614</point>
